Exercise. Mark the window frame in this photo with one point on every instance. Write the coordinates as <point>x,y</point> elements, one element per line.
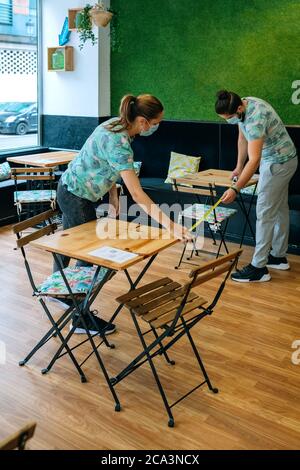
<point>10,15</point>
<point>10,151</point>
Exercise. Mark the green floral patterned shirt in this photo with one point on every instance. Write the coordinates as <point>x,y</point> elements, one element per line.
<point>261,120</point>
<point>98,165</point>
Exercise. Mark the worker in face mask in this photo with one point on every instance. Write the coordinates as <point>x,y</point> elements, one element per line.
<point>265,144</point>
<point>106,157</point>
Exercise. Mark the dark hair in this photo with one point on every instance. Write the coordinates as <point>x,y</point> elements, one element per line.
<point>133,106</point>
<point>227,102</point>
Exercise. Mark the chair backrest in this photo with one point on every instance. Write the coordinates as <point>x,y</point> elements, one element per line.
<point>24,238</point>
<point>19,439</point>
<point>213,269</point>
<point>187,185</point>
<point>49,227</point>
<point>33,174</point>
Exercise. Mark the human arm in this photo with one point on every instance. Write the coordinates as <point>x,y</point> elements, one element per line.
<point>142,199</point>
<point>114,203</point>
<point>254,151</point>
<point>242,155</point>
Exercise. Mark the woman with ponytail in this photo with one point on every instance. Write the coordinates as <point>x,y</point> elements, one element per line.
<point>105,157</point>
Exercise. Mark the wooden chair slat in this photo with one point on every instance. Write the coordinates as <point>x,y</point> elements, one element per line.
<point>34,177</point>
<point>158,305</point>
<point>33,236</point>
<point>191,180</point>
<point>202,189</point>
<point>193,190</point>
<point>17,228</point>
<point>173,305</point>
<point>215,263</point>
<point>154,294</point>
<point>123,299</point>
<point>161,301</point>
<point>210,275</point>
<point>168,317</point>
<point>153,314</point>
<point>33,170</point>
<point>19,438</point>
<point>61,296</point>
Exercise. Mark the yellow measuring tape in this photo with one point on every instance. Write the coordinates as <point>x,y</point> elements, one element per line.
<point>206,214</point>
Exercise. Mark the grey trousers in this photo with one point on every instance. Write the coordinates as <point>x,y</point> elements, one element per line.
<point>272,210</point>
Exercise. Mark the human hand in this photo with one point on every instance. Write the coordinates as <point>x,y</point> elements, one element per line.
<point>114,207</point>
<point>236,173</point>
<point>229,196</point>
<point>181,233</point>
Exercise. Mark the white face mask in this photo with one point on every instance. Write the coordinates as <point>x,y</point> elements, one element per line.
<point>239,117</point>
<point>150,131</point>
<point>233,120</point>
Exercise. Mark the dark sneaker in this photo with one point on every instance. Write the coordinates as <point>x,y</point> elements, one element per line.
<point>278,263</point>
<point>101,325</point>
<point>251,274</point>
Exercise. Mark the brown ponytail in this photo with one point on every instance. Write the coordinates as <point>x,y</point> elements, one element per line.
<point>133,106</point>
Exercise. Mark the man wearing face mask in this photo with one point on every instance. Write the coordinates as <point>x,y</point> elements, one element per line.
<point>105,157</point>
<point>267,144</point>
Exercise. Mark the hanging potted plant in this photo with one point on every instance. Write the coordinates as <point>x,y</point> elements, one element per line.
<point>96,15</point>
<point>100,15</point>
<point>84,26</point>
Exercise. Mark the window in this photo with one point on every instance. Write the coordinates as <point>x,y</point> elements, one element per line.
<point>19,75</point>
<point>21,7</point>
<point>6,13</point>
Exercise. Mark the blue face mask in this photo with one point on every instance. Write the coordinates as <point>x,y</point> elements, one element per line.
<point>150,131</point>
<point>233,120</point>
<point>236,119</point>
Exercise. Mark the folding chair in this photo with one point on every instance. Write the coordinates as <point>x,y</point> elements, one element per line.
<point>81,279</point>
<point>217,219</point>
<point>250,190</point>
<point>19,439</point>
<point>171,310</point>
<point>34,196</point>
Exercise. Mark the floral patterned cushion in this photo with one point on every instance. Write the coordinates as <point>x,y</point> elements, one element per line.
<point>79,279</point>
<point>5,171</point>
<point>35,195</point>
<point>180,165</point>
<point>196,211</point>
<point>250,190</point>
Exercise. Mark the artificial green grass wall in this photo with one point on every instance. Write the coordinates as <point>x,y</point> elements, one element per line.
<point>184,51</point>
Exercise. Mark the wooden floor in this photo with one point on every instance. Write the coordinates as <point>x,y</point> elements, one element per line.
<point>245,344</point>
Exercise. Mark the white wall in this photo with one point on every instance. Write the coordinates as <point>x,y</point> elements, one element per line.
<point>86,90</point>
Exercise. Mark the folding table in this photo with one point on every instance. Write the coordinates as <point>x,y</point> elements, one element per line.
<point>45,159</point>
<point>80,242</point>
<point>222,178</point>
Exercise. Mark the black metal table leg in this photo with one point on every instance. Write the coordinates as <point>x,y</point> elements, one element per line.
<point>246,213</point>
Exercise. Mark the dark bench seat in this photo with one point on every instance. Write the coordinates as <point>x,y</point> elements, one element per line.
<point>216,144</point>
<point>8,210</point>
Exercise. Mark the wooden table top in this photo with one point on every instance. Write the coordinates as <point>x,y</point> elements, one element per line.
<point>216,177</point>
<point>46,159</point>
<point>79,241</point>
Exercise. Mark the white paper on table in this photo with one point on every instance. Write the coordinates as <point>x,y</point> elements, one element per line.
<point>113,254</point>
